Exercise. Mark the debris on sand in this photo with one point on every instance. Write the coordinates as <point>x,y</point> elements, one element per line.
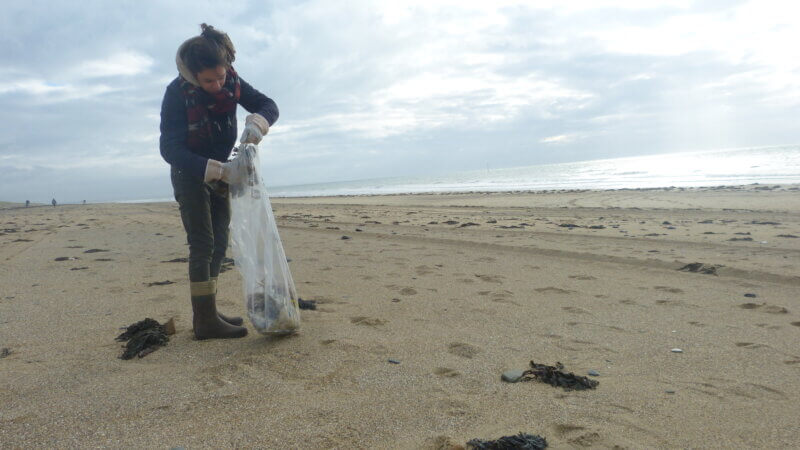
<point>522,441</point>
<point>144,337</point>
<point>699,267</point>
<point>307,304</point>
<point>554,376</point>
<point>160,283</point>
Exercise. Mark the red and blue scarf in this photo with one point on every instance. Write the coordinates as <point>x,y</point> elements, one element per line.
<point>199,108</point>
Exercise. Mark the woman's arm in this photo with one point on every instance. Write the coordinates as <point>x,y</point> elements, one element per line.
<point>174,129</point>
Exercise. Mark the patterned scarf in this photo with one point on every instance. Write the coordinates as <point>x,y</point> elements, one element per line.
<point>198,108</point>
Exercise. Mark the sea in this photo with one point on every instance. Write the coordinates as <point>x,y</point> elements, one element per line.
<point>741,166</point>
<point>729,167</point>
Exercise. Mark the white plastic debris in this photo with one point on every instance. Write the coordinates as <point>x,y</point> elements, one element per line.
<point>269,291</point>
<point>676,350</point>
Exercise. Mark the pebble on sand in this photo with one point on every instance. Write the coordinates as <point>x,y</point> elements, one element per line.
<point>512,376</point>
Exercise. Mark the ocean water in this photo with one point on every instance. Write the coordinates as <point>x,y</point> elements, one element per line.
<point>763,165</point>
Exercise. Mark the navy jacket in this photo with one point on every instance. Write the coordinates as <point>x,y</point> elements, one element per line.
<point>174,128</point>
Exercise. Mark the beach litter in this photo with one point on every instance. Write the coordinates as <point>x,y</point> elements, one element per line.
<point>521,441</point>
<point>676,350</point>
<point>699,267</point>
<point>144,337</point>
<point>307,304</point>
<point>554,376</point>
<point>269,291</point>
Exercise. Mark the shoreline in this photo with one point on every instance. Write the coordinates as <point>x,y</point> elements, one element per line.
<point>741,187</point>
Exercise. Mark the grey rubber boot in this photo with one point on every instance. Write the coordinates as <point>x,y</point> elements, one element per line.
<point>205,320</point>
<point>231,320</point>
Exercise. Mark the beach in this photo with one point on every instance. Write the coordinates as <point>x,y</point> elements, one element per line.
<point>454,289</point>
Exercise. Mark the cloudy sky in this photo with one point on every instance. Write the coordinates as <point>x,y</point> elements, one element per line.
<point>375,88</point>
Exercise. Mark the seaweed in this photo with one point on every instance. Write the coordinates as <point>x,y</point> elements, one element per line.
<point>143,338</point>
<point>554,376</point>
<point>522,441</point>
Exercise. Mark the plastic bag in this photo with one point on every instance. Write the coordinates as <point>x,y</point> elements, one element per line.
<point>269,291</point>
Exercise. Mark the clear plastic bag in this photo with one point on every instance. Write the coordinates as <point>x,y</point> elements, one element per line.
<point>269,291</point>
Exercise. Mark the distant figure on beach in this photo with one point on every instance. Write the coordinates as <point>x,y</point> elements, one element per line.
<point>198,132</point>
<point>54,203</point>
<point>84,202</point>
<point>27,203</point>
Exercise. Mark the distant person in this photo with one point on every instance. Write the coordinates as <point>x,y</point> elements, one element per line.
<point>198,132</point>
<point>27,203</point>
<point>84,202</point>
<point>54,203</point>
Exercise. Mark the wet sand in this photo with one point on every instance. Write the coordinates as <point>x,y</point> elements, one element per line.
<point>456,288</point>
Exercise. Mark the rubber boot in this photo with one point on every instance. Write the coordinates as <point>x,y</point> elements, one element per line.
<point>231,320</point>
<point>207,324</point>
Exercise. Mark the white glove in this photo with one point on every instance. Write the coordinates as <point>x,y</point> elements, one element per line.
<point>214,171</point>
<point>255,128</point>
<point>231,172</point>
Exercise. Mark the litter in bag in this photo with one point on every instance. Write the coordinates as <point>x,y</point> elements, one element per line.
<point>269,291</point>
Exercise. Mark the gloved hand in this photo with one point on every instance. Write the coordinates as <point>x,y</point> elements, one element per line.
<point>255,128</point>
<point>231,172</point>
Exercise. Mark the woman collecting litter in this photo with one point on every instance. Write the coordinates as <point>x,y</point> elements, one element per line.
<point>198,132</point>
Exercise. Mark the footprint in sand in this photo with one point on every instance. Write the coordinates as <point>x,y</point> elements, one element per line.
<point>503,297</point>
<point>763,307</point>
<point>553,290</point>
<point>575,310</point>
<point>490,278</point>
<point>582,277</point>
<point>446,372</point>
<point>463,350</point>
<point>423,270</point>
<point>408,291</point>
<point>671,290</point>
<point>369,321</point>
<point>750,345</point>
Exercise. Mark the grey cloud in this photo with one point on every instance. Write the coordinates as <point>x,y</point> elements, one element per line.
<point>329,67</point>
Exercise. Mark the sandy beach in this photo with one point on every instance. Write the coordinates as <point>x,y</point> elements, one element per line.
<point>455,288</point>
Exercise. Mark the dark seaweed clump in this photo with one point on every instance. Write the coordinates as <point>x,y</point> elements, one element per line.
<point>521,441</point>
<point>143,338</point>
<point>554,376</point>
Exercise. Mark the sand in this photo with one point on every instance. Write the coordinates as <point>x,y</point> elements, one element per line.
<point>456,288</point>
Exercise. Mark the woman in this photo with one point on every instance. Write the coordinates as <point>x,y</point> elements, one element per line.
<point>198,132</point>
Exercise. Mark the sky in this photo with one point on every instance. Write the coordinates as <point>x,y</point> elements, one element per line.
<point>370,89</point>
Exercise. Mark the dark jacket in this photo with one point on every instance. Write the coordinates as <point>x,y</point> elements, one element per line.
<point>174,128</point>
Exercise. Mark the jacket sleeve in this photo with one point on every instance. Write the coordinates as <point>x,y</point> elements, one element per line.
<point>256,102</point>
<point>174,129</point>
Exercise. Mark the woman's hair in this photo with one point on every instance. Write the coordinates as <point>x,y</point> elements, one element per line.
<point>211,49</point>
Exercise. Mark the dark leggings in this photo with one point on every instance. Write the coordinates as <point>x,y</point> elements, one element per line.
<point>206,214</point>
